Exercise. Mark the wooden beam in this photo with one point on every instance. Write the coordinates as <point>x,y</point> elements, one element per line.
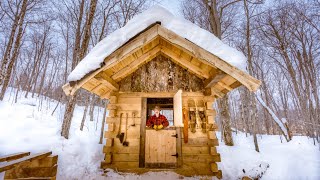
<point>143,132</point>
<point>133,66</point>
<point>95,89</point>
<point>184,63</point>
<point>225,86</point>
<point>68,89</point>
<point>206,57</point>
<point>12,164</point>
<point>213,91</point>
<point>214,167</point>
<point>216,92</point>
<point>106,95</point>
<point>115,57</point>
<point>214,79</point>
<point>15,156</point>
<point>38,178</point>
<point>109,82</point>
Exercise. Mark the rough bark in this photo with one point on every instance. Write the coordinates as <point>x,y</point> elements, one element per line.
<point>15,50</point>
<point>253,108</point>
<point>68,116</point>
<point>225,120</point>
<point>85,42</point>
<point>103,123</point>
<point>91,114</point>
<point>8,49</point>
<point>173,78</point>
<point>84,113</point>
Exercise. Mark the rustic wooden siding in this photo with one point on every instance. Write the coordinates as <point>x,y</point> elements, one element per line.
<point>117,155</point>
<point>199,155</point>
<point>161,75</point>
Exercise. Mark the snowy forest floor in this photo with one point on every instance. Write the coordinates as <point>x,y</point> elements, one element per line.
<point>28,126</point>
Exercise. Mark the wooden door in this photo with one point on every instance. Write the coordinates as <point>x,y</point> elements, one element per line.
<point>160,149</point>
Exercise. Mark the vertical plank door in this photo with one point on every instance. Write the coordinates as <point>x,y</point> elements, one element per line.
<point>159,148</point>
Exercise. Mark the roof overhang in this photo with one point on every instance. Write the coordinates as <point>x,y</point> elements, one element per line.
<point>219,76</point>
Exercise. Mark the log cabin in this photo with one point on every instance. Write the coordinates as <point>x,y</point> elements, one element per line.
<point>157,59</point>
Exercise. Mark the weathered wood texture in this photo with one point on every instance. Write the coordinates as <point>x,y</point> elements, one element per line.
<point>200,147</point>
<point>160,146</point>
<point>143,132</point>
<point>36,166</point>
<point>116,154</point>
<point>12,164</point>
<point>161,75</point>
<point>199,154</point>
<point>15,156</point>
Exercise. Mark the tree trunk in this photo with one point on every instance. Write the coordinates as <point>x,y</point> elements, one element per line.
<point>8,49</point>
<point>103,122</point>
<point>84,113</point>
<point>15,51</point>
<point>254,120</point>
<point>92,105</point>
<point>223,104</point>
<point>68,116</point>
<point>71,102</point>
<point>225,121</point>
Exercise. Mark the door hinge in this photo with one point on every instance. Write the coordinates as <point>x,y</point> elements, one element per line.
<point>176,135</point>
<point>176,155</point>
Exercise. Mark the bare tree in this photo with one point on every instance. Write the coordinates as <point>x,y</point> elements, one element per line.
<point>204,12</point>
<point>78,54</point>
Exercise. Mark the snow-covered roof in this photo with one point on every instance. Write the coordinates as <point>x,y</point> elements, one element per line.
<point>137,24</point>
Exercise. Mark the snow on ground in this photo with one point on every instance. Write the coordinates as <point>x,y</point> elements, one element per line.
<point>140,22</point>
<point>298,159</point>
<point>24,127</point>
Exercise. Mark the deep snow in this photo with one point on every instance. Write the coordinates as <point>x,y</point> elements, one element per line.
<point>138,23</point>
<point>24,128</point>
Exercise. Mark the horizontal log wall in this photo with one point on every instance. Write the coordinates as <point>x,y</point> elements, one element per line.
<point>117,155</point>
<point>199,154</point>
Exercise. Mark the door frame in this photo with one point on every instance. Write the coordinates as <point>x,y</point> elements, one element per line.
<point>143,135</point>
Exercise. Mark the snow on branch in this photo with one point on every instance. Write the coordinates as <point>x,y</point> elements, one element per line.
<point>274,117</point>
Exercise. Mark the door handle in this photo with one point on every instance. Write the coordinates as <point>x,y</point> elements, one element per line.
<point>176,155</point>
<point>176,135</point>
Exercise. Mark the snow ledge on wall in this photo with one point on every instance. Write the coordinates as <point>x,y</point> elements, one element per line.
<point>184,28</point>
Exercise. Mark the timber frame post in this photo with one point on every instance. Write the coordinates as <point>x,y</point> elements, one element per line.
<point>143,132</point>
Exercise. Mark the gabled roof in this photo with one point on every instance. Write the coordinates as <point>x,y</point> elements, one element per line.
<point>139,23</point>
<point>128,48</point>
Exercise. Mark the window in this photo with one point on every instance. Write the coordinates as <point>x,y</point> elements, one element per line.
<point>168,113</point>
<point>166,105</point>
